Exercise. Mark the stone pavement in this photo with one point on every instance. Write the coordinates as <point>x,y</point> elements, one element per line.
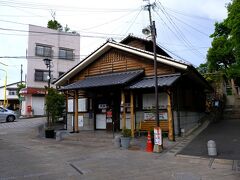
<point>88,155</point>
<point>20,124</point>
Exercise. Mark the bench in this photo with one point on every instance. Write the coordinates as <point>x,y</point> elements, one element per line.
<point>149,125</point>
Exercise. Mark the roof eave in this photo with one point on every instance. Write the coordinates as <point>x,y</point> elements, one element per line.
<point>108,45</point>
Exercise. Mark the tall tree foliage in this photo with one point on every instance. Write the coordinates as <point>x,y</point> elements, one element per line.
<point>224,55</point>
<point>233,22</point>
<point>54,105</point>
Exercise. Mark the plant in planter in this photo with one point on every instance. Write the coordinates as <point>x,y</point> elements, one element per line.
<point>54,108</point>
<point>126,138</point>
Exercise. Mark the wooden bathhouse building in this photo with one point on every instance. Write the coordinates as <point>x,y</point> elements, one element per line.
<point>113,88</point>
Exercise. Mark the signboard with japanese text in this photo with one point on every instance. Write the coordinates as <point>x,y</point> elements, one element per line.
<point>157,136</point>
<point>151,116</point>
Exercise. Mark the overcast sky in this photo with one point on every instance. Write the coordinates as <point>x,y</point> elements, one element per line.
<point>183,26</point>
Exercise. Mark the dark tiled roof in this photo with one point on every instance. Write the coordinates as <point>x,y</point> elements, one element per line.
<point>149,82</point>
<point>111,79</point>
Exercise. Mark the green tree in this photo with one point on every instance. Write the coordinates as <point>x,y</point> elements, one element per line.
<point>224,55</point>
<point>233,23</point>
<point>203,68</point>
<point>220,56</point>
<point>54,105</point>
<point>19,87</point>
<point>54,24</point>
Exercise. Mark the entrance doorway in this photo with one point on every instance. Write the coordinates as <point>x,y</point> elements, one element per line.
<point>107,111</point>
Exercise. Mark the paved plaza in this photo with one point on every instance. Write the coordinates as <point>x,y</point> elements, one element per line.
<point>89,155</point>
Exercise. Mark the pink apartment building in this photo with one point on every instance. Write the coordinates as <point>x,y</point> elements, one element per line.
<point>63,48</point>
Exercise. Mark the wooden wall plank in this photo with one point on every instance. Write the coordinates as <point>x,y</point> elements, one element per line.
<point>117,61</point>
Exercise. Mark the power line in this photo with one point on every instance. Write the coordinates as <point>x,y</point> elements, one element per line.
<point>184,39</point>
<point>33,57</point>
<point>108,22</point>
<point>190,26</point>
<point>61,8</point>
<point>14,22</point>
<point>188,15</point>
<point>61,33</point>
<point>133,21</point>
<point>176,55</point>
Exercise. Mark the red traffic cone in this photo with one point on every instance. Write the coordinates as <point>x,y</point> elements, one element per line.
<point>149,146</point>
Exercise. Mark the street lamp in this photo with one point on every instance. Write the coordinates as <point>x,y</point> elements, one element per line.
<point>5,89</point>
<point>47,62</point>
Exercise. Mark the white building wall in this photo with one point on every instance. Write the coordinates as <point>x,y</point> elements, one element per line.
<point>55,39</point>
<point>1,93</point>
<point>11,86</point>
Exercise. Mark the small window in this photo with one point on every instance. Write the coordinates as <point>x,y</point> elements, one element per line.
<point>66,54</point>
<point>42,50</point>
<point>41,75</point>
<point>12,92</point>
<point>82,104</point>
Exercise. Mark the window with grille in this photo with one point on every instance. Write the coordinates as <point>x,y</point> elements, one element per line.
<point>43,50</point>
<point>41,75</point>
<point>66,54</point>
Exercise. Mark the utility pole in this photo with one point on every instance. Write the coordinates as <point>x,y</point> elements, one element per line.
<point>21,73</point>
<point>153,34</point>
<point>148,7</point>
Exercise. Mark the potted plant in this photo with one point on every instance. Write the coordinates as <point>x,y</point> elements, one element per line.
<point>54,108</point>
<point>126,138</point>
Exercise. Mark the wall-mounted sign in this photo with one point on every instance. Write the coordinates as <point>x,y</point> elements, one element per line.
<point>102,106</point>
<point>109,114</point>
<point>70,105</point>
<point>109,120</point>
<point>151,116</point>
<point>80,121</point>
<point>163,116</point>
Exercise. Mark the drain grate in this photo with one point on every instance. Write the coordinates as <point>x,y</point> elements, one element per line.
<point>78,170</point>
<point>211,162</point>
<point>236,165</point>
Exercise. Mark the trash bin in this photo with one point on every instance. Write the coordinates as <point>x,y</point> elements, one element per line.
<point>212,149</point>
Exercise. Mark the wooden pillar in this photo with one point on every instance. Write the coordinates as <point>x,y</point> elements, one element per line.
<point>170,119</point>
<point>123,106</point>
<point>132,114</point>
<point>76,113</point>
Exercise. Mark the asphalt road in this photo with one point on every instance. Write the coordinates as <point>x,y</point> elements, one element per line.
<point>225,133</point>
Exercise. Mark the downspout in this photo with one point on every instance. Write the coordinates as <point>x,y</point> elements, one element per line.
<point>178,112</point>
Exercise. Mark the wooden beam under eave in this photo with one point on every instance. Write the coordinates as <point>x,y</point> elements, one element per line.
<point>123,106</point>
<point>76,129</point>
<point>170,118</point>
<point>132,114</point>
